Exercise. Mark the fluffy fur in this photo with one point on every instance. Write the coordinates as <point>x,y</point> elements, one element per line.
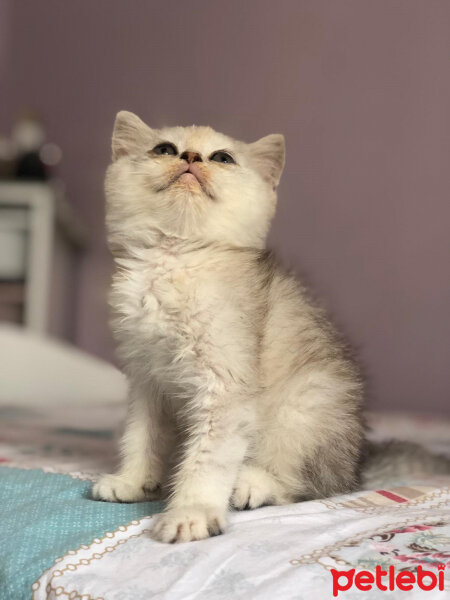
<point>241,392</point>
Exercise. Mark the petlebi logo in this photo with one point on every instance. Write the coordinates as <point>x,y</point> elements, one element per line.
<point>388,580</point>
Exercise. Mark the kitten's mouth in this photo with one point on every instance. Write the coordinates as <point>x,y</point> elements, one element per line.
<point>193,177</point>
<point>190,176</point>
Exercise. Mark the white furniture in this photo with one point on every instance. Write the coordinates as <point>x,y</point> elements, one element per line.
<point>35,370</point>
<point>40,238</point>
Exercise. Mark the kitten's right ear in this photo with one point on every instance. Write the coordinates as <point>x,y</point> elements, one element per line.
<point>129,134</point>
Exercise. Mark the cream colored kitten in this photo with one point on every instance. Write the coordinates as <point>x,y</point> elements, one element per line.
<point>240,390</point>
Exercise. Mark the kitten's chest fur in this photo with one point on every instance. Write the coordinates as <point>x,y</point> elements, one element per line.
<point>163,305</point>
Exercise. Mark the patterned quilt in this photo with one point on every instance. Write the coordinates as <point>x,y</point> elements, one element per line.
<point>56,542</point>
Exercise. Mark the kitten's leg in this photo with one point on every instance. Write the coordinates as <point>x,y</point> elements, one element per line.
<point>144,448</point>
<point>308,444</point>
<point>218,430</point>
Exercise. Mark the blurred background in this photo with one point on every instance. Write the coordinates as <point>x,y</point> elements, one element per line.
<point>361,90</point>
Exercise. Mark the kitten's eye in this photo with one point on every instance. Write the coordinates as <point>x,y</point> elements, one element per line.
<point>222,157</point>
<point>165,148</point>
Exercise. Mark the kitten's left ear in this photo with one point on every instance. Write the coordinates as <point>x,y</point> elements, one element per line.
<point>268,156</point>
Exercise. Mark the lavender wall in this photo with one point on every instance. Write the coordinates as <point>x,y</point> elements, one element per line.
<point>361,91</point>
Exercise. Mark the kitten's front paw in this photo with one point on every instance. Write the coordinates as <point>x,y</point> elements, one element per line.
<point>118,488</point>
<point>189,524</point>
<point>256,487</point>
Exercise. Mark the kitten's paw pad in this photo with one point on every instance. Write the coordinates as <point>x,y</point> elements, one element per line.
<point>117,488</point>
<point>189,524</point>
<point>256,487</point>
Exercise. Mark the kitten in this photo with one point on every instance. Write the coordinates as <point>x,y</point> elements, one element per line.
<point>241,392</point>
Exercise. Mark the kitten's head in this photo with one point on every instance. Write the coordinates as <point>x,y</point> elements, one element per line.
<point>190,182</point>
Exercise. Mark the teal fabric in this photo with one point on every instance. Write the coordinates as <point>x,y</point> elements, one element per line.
<point>42,516</point>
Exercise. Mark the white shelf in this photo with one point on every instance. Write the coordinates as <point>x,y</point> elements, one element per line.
<point>36,217</point>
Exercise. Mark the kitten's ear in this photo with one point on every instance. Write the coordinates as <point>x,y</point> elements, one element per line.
<point>129,134</point>
<point>268,156</point>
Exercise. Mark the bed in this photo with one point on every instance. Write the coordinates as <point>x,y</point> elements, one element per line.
<point>56,542</point>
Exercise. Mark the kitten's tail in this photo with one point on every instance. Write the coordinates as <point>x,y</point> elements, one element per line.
<point>387,461</point>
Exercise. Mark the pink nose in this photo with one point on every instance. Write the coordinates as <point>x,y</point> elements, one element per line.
<point>191,157</point>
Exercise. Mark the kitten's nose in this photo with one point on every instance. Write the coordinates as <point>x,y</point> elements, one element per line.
<point>191,157</point>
